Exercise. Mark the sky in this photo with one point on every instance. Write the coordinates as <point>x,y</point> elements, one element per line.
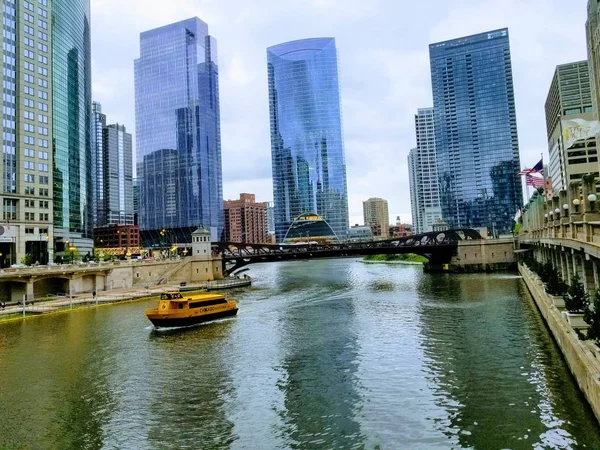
<point>384,73</point>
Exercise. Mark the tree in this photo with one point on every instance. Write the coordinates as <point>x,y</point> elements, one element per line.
<point>27,259</point>
<point>555,284</point>
<point>592,317</point>
<point>576,299</point>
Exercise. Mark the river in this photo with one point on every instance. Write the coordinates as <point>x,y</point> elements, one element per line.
<point>322,355</point>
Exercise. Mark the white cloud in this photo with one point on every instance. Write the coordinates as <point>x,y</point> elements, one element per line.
<point>384,64</point>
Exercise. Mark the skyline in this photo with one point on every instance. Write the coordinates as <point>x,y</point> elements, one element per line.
<point>378,105</point>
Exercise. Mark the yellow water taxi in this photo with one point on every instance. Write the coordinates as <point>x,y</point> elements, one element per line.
<point>175,310</point>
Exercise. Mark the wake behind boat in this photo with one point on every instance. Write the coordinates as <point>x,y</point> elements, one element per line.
<point>176,311</point>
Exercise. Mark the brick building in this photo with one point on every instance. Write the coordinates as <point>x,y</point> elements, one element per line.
<point>245,220</point>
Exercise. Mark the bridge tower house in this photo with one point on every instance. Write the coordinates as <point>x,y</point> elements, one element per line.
<point>201,246</point>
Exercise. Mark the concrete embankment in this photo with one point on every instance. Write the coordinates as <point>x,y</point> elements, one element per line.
<point>583,360</point>
<point>17,311</point>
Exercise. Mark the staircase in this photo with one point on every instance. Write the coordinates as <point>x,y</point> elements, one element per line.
<point>173,270</point>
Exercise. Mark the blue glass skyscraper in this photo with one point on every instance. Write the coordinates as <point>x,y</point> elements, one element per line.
<point>307,147</point>
<point>476,138</point>
<point>178,133</point>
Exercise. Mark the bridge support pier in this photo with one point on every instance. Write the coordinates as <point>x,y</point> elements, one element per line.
<point>29,289</point>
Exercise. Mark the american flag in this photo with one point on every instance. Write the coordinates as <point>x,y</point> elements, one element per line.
<point>538,168</point>
<point>534,181</point>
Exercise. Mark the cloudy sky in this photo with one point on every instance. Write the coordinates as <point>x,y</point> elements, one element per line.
<point>384,63</point>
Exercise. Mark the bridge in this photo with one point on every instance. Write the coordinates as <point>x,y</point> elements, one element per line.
<point>438,247</point>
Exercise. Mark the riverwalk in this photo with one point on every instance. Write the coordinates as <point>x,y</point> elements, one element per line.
<point>65,302</point>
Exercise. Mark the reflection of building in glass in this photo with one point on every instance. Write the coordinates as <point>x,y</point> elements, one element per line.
<point>569,97</point>
<point>178,132</point>
<point>376,216</point>
<point>476,131</point>
<point>422,172</point>
<point>71,110</point>
<point>245,220</point>
<point>309,171</point>
<point>310,228</point>
<point>592,28</point>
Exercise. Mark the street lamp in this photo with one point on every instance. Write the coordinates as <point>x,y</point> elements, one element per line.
<point>566,208</point>
<point>72,249</point>
<point>576,203</point>
<point>592,199</point>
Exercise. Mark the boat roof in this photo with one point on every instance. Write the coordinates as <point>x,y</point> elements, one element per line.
<point>197,298</point>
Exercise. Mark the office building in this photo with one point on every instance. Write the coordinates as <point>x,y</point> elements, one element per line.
<point>309,170</point>
<point>245,220</point>
<point>376,216</point>
<point>178,136</point>
<point>477,150</point>
<point>34,64</point>
<point>71,108</point>
<point>592,29</point>
<point>569,97</point>
<point>422,174</point>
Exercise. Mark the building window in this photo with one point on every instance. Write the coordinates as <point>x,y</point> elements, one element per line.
<point>10,208</point>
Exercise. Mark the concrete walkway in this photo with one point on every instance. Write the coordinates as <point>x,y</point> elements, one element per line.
<point>118,295</point>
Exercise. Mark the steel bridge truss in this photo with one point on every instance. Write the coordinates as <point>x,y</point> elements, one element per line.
<point>437,246</point>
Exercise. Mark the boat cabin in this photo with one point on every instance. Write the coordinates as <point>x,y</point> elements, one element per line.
<point>170,301</point>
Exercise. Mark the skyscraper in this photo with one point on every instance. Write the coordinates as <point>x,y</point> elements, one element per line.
<point>46,63</point>
<point>98,121</point>
<point>592,29</point>
<point>475,123</point>
<point>569,97</point>
<point>71,108</point>
<point>178,132</point>
<point>307,146</point>
<point>422,174</point>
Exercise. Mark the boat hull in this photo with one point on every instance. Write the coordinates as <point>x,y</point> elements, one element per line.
<point>170,322</point>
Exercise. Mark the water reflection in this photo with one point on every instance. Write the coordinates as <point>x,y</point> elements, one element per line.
<point>320,387</point>
<point>322,354</point>
<point>469,334</point>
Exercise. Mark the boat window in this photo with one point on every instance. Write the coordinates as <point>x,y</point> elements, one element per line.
<point>218,301</point>
<point>181,306</point>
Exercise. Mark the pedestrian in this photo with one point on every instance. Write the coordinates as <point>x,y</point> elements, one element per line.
<point>2,305</point>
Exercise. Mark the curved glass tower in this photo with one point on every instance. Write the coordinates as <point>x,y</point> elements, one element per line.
<point>71,110</point>
<point>307,147</point>
<point>178,132</point>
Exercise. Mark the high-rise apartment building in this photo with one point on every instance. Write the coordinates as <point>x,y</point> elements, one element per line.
<point>245,220</point>
<point>307,147</point>
<point>178,132</point>
<point>376,216</point>
<point>98,121</point>
<point>422,174</point>
<point>569,97</point>
<point>70,109</point>
<point>477,150</point>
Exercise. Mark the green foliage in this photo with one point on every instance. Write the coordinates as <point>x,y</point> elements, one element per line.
<point>27,259</point>
<point>71,255</point>
<point>592,317</point>
<point>410,257</point>
<point>576,299</point>
<point>555,284</point>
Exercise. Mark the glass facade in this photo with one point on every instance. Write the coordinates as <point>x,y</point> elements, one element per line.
<point>476,140</point>
<point>178,131</point>
<point>71,111</point>
<point>307,147</point>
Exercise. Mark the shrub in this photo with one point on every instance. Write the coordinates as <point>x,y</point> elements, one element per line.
<point>27,259</point>
<point>555,285</point>
<point>592,317</point>
<point>576,298</point>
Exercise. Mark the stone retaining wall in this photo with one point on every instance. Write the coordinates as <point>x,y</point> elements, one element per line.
<point>584,365</point>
